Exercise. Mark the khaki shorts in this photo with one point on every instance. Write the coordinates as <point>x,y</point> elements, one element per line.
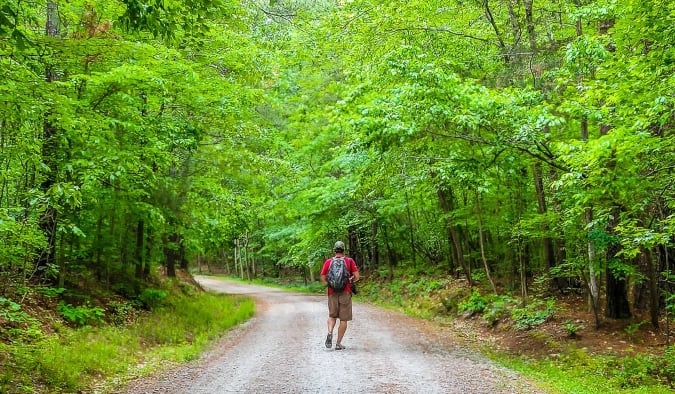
<point>340,305</point>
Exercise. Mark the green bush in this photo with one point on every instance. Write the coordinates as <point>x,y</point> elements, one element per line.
<point>497,309</point>
<point>532,314</point>
<point>571,328</point>
<point>152,298</point>
<point>121,313</point>
<point>664,367</point>
<point>11,311</point>
<point>19,326</point>
<point>81,315</point>
<point>631,372</point>
<point>476,303</point>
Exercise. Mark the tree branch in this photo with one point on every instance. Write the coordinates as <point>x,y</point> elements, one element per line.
<point>446,30</point>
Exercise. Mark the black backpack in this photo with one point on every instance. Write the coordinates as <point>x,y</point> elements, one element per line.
<point>338,274</point>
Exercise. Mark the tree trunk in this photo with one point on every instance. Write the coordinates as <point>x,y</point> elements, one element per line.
<point>171,255</point>
<point>482,244</point>
<point>529,23</point>
<point>617,286</point>
<point>374,248</point>
<point>593,288</point>
<point>390,255</point>
<point>48,220</point>
<point>653,289</point>
<point>138,255</point>
<point>181,249</point>
<point>445,198</point>
<point>411,230</point>
<point>549,252</point>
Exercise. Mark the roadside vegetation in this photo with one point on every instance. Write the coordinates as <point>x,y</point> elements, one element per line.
<point>79,349</point>
<point>550,350</point>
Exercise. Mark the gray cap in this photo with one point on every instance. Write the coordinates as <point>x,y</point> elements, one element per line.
<point>339,245</point>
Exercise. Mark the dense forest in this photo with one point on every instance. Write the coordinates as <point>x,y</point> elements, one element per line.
<point>505,143</point>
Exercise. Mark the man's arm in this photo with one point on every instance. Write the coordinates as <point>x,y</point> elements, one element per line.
<point>355,272</point>
<point>324,272</point>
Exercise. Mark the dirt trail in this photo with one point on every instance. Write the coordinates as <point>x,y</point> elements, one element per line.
<point>281,350</point>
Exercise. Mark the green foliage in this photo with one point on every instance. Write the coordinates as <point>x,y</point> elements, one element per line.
<point>577,371</point>
<point>121,313</point>
<point>152,298</point>
<point>534,313</point>
<point>425,285</point>
<point>665,366</point>
<point>498,308</point>
<point>82,315</point>
<point>198,319</point>
<point>476,303</point>
<point>11,311</point>
<point>631,372</point>
<point>633,328</point>
<point>571,328</point>
<point>51,292</point>
<point>73,360</point>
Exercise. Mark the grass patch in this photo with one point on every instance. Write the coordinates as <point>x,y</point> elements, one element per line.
<point>77,359</point>
<point>577,372</point>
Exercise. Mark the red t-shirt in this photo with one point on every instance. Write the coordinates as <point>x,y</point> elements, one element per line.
<point>351,266</point>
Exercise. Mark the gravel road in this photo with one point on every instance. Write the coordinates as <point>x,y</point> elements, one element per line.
<point>281,350</point>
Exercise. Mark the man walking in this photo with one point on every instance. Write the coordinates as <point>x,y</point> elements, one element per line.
<point>339,297</point>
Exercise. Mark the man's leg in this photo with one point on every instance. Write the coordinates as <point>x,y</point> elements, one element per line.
<point>329,337</point>
<point>342,328</point>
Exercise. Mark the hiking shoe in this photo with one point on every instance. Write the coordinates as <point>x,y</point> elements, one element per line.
<point>329,340</point>
<point>340,347</point>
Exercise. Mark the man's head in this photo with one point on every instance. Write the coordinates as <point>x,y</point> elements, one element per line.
<point>339,247</point>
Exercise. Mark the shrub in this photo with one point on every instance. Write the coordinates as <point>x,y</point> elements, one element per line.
<point>571,328</point>
<point>497,309</point>
<point>475,304</point>
<point>19,324</point>
<point>81,315</point>
<point>664,367</point>
<point>121,313</point>
<point>152,298</point>
<point>532,314</point>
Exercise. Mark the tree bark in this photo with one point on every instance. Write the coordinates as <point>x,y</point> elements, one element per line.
<point>529,23</point>
<point>549,253</point>
<point>138,255</point>
<point>617,284</point>
<point>482,244</point>
<point>592,283</point>
<point>445,198</point>
<point>374,248</point>
<point>48,220</point>
<point>653,289</point>
<point>171,255</point>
